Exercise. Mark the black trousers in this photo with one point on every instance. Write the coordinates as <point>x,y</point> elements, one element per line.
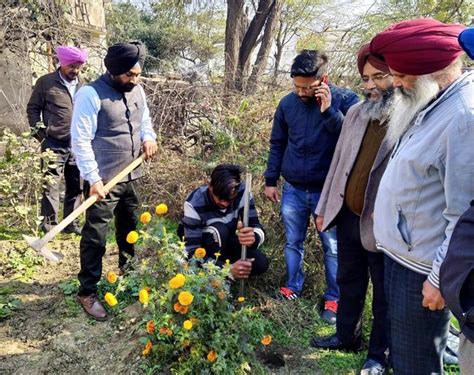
<point>355,264</point>
<point>63,165</point>
<point>121,202</point>
<point>218,238</point>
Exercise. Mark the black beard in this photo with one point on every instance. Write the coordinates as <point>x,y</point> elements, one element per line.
<point>122,88</point>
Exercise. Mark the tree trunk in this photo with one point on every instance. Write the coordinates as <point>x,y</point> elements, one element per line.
<point>250,39</point>
<point>233,32</point>
<point>265,46</point>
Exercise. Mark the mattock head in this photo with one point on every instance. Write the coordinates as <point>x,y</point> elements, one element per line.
<point>36,244</point>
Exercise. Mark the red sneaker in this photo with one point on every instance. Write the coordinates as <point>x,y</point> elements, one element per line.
<point>288,294</point>
<point>329,314</point>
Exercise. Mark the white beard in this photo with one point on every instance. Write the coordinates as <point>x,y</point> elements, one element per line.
<point>407,104</point>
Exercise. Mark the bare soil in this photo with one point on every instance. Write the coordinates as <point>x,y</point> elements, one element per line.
<point>51,334</point>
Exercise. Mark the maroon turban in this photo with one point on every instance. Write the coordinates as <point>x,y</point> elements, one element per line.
<point>418,47</point>
<point>364,56</point>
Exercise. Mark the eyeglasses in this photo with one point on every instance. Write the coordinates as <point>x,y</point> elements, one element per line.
<point>377,78</point>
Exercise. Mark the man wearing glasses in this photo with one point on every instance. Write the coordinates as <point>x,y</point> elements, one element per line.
<point>305,130</point>
<point>212,220</point>
<point>356,169</point>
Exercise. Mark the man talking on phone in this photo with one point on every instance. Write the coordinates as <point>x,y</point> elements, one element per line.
<point>306,127</point>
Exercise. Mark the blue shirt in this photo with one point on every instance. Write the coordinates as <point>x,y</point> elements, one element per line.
<point>84,127</point>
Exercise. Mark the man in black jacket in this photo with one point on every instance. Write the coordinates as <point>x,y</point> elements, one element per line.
<point>51,104</point>
<point>305,131</point>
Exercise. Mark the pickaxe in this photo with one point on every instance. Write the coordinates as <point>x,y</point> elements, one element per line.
<point>39,244</point>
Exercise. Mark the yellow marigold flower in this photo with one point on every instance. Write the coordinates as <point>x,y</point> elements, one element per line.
<point>221,295</point>
<point>212,356</point>
<point>112,277</point>
<point>110,299</point>
<point>145,217</point>
<point>147,348</point>
<point>161,209</point>
<point>266,340</point>
<point>241,299</point>
<point>132,237</point>
<point>150,326</point>
<point>185,298</point>
<point>187,324</point>
<point>177,281</point>
<point>215,284</point>
<point>143,296</point>
<point>200,253</point>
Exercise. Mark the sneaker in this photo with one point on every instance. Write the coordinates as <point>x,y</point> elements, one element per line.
<point>286,294</point>
<point>373,367</point>
<point>329,314</point>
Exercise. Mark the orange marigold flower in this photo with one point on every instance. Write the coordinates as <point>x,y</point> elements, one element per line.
<point>221,295</point>
<point>185,298</point>
<point>266,340</point>
<point>200,253</point>
<point>212,356</point>
<point>147,348</point>
<point>177,281</point>
<point>241,299</point>
<point>111,277</point>
<point>184,310</point>
<point>215,284</point>
<point>187,324</point>
<point>132,237</point>
<point>150,326</point>
<point>163,331</point>
<point>110,299</point>
<point>161,209</point>
<point>169,333</point>
<point>145,218</point>
<point>143,296</point>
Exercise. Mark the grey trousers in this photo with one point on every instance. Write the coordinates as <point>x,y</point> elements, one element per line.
<point>466,355</point>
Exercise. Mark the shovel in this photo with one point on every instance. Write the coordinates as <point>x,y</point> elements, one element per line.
<point>39,244</point>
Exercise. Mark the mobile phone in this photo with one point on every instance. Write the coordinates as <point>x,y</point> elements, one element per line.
<point>324,80</point>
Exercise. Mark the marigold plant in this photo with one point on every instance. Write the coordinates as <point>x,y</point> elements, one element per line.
<point>150,326</point>
<point>112,277</point>
<point>200,253</point>
<point>110,299</point>
<point>143,296</point>
<point>132,237</point>
<point>177,281</point>
<point>145,217</point>
<point>185,298</point>
<point>161,209</point>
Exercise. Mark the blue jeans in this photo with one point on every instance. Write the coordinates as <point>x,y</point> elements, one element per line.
<point>297,207</point>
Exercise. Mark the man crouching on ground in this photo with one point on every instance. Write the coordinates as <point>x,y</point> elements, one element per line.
<point>212,220</point>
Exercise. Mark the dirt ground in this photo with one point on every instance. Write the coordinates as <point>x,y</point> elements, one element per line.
<point>49,333</point>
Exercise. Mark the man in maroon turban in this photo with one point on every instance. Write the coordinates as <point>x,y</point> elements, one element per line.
<point>426,186</point>
<point>356,169</point>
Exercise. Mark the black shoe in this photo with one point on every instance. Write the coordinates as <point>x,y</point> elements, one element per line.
<point>333,343</point>
<point>373,367</point>
<point>73,229</point>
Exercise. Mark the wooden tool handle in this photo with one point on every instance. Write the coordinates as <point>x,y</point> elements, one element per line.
<point>91,200</point>
<point>243,253</point>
